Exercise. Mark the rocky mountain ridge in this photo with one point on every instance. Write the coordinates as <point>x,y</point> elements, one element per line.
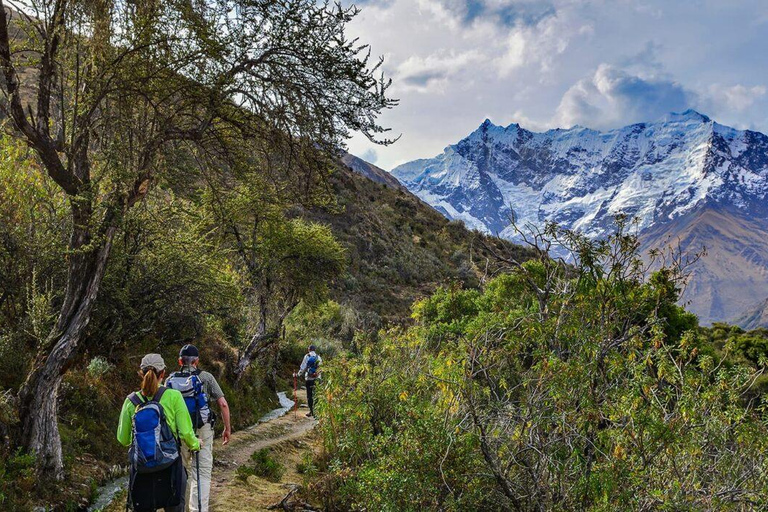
<point>683,177</point>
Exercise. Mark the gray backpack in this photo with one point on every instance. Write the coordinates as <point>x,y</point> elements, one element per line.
<point>191,388</point>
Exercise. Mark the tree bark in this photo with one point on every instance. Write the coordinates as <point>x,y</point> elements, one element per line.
<point>39,395</point>
<point>264,337</point>
<point>259,343</point>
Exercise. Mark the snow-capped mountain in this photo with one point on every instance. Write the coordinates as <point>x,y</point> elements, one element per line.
<point>664,173</point>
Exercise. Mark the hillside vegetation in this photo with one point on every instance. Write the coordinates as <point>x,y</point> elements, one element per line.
<point>551,389</point>
<point>399,249</point>
<point>174,279</point>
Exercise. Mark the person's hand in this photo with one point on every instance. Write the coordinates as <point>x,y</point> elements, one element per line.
<point>200,440</point>
<point>225,436</point>
<point>294,374</point>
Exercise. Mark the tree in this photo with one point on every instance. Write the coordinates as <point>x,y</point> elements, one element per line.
<point>285,262</point>
<point>110,94</point>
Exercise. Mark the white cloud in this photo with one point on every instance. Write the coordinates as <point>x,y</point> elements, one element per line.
<point>736,97</point>
<point>612,97</point>
<point>433,72</point>
<point>548,63</point>
<point>540,44</point>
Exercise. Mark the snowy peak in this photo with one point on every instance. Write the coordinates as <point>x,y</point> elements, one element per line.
<point>582,178</point>
<point>688,116</point>
<point>660,172</point>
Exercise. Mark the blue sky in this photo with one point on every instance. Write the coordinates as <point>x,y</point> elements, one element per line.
<point>557,63</point>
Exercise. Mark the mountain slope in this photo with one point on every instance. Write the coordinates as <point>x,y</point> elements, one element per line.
<point>399,249</point>
<point>754,318</point>
<point>665,173</point>
<point>370,171</point>
<point>733,273</point>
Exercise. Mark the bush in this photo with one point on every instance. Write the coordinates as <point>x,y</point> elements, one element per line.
<point>17,480</point>
<point>263,465</point>
<point>266,466</point>
<point>554,388</point>
<point>306,466</point>
<point>244,471</point>
<point>99,367</point>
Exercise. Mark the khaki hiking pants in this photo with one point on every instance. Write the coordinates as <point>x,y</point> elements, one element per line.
<point>206,466</point>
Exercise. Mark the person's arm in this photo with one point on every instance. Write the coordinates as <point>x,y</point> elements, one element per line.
<point>216,394</point>
<point>125,426</point>
<point>224,408</point>
<point>303,367</point>
<point>184,423</point>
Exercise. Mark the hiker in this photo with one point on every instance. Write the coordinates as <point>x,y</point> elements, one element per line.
<point>151,423</point>
<point>310,367</point>
<point>199,388</point>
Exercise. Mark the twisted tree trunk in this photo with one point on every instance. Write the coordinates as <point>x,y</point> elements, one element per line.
<point>39,395</point>
<point>264,337</point>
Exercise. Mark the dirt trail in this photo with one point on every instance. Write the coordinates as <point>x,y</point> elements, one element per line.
<point>288,438</point>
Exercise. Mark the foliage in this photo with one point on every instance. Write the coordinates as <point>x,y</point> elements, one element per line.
<point>306,466</point>
<point>554,388</point>
<point>17,480</point>
<point>116,99</point>
<point>264,465</point>
<point>99,366</point>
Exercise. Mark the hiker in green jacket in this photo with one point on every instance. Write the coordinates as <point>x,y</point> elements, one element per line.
<point>149,491</point>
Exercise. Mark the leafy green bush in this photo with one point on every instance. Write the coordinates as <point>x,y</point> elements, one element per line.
<point>17,480</point>
<point>99,366</point>
<point>244,471</point>
<point>264,465</point>
<point>553,388</point>
<point>306,466</point>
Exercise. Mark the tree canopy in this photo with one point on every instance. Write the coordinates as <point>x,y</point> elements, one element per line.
<point>116,97</point>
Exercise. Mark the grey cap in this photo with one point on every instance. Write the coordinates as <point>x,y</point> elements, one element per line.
<point>153,360</point>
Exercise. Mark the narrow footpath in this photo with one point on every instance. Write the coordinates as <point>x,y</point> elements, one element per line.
<point>289,439</point>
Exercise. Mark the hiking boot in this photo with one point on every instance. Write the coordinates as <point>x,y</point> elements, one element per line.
<point>309,415</point>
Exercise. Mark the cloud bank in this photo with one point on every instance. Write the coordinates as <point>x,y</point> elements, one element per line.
<point>558,63</point>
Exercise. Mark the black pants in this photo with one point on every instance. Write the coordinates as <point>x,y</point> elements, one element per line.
<point>311,396</point>
<point>165,489</point>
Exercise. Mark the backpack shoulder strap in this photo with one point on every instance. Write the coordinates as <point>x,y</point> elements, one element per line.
<point>160,392</point>
<point>134,398</point>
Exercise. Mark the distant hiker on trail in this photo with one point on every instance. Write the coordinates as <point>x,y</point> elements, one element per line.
<point>310,367</point>
<point>151,423</point>
<point>199,388</point>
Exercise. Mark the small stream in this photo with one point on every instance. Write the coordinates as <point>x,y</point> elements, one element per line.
<point>285,405</point>
<point>108,492</point>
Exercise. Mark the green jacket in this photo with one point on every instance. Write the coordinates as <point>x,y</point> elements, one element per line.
<point>176,414</point>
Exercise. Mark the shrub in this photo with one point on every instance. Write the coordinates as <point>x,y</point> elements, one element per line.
<point>266,466</point>
<point>244,471</point>
<point>99,367</point>
<point>553,388</point>
<point>306,465</point>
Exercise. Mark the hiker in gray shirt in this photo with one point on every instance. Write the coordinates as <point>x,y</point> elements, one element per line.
<point>192,382</point>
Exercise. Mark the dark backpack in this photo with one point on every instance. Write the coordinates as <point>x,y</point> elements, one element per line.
<point>154,447</point>
<point>191,388</point>
<point>312,367</point>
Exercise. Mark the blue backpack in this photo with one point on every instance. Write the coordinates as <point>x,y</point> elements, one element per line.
<point>312,367</point>
<point>191,388</point>
<point>154,447</point>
